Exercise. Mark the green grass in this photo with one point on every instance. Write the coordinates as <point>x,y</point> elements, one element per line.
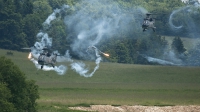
<point>114,84</point>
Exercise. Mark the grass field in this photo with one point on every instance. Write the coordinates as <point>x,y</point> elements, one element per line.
<point>114,84</point>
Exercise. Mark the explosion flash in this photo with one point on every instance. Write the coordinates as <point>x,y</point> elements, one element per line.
<point>93,47</point>
<point>29,56</point>
<point>105,54</point>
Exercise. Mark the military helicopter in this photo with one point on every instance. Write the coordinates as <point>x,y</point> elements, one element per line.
<point>45,58</point>
<point>148,22</point>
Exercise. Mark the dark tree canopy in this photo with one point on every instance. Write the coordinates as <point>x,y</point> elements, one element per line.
<point>17,93</point>
<point>178,46</point>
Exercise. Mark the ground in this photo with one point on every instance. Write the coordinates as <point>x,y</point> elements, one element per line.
<point>138,108</point>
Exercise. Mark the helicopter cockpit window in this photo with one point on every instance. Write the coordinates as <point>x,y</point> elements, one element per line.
<point>145,22</point>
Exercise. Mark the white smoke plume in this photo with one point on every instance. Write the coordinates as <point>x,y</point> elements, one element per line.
<point>169,58</point>
<point>185,21</point>
<point>65,58</point>
<point>45,41</point>
<point>90,27</point>
<point>171,19</point>
<point>97,20</point>
<point>194,2</point>
<point>53,16</point>
<point>170,55</point>
<point>60,69</point>
<point>182,19</point>
<point>160,61</point>
<point>184,1</point>
<point>92,22</point>
<point>80,67</point>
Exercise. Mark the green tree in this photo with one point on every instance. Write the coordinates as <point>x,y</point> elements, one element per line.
<point>177,45</point>
<point>24,7</point>
<point>5,105</point>
<point>58,34</point>
<point>42,7</point>
<point>31,26</point>
<point>11,23</point>
<point>122,53</point>
<point>56,3</point>
<point>21,94</point>
<point>194,57</point>
<point>143,45</point>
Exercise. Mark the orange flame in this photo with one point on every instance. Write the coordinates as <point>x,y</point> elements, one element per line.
<point>29,56</point>
<point>106,54</point>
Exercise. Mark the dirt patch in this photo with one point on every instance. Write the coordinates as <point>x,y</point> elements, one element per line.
<point>138,108</point>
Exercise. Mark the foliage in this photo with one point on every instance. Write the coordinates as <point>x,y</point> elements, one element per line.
<point>32,24</point>
<point>13,22</point>
<point>17,93</point>
<point>5,105</point>
<point>58,34</point>
<point>20,21</point>
<point>194,57</point>
<point>177,45</point>
<point>132,50</point>
<point>42,8</point>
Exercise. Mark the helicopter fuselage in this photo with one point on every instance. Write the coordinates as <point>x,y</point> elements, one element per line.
<point>148,24</point>
<point>45,60</point>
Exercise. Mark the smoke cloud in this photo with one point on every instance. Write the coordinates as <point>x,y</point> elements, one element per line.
<point>174,27</point>
<point>183,18</point>
<point>95,21</point>
<point>46,41</point>
<point>59,69</point>
<point>160,61</point>
<point>169,58</point>
<point>95,34</point>
<point>92,22</point>
<point>191,1</point>
<point>98,20</point>
<point>81,69</point>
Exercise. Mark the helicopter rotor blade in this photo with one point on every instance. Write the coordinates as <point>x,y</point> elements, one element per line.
<point>26,48</point>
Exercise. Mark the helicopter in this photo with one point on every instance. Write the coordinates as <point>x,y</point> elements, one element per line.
<point>45,57</point>
<point>148,22</point>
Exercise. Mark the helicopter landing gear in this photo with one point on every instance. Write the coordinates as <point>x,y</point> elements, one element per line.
<point>144,29</point>
<point>41,66</point>
<point>52,65</point>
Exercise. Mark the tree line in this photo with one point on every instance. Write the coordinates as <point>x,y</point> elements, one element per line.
<point>20,21</point>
